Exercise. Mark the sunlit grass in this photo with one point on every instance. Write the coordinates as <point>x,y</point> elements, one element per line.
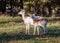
<point>9,19</point>
<point>11,27</point>
<point>19,19</point>
<point>20,27</point>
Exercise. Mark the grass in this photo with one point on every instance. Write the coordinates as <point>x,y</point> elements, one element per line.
<point>13,26</point>
<point>14,32</point>
<point>6,19</point>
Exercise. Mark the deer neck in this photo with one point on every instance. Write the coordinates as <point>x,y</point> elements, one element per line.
<point>23,16</point>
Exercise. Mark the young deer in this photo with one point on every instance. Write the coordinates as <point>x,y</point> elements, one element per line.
<point>29,21</point>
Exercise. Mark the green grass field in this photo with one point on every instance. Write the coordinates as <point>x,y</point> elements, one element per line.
<point>12,30</point>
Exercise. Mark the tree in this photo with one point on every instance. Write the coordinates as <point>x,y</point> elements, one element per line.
<point>2,5</point>
<point>21,4</point>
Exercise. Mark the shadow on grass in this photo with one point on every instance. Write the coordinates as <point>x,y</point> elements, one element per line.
<point>23,36</point>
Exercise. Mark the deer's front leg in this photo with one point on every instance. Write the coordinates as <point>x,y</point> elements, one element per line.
<point>27,29</point>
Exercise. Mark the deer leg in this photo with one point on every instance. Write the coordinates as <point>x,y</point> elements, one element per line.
<point>45,26</point>
<point>34,30</point>
<point>38,29</point>
<point>44,30</point>
<point>27,29</point>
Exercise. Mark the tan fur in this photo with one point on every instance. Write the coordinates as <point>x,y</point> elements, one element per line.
<point>38,21</point>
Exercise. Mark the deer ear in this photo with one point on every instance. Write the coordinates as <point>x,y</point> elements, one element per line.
<point>19,13</point>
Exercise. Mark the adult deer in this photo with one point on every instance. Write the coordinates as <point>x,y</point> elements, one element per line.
<point>29,21</point>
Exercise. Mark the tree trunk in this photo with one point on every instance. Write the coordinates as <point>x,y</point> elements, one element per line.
<point>21,4</point>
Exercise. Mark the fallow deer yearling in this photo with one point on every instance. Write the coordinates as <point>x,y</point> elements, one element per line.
<point>42,22</point>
